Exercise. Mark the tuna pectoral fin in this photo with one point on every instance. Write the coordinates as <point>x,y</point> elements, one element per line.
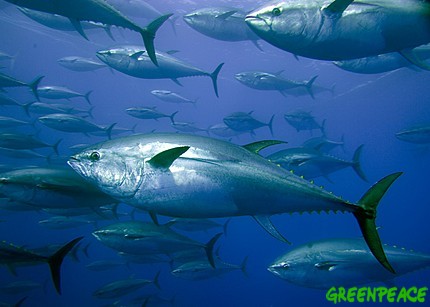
<point>56,260</point>
<point>148,35</point>
<point>78,27</point>
<point>266,223</point>
<point>309,86</point>
<point>165,159</point>
<point>366,215</point>
<point>209,247</point>
<point>214,77</point>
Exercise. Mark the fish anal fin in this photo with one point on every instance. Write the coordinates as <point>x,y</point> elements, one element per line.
<point>78,27</point>
<point>165,159</point>
<point>266,223</point>
<point>136,55</point>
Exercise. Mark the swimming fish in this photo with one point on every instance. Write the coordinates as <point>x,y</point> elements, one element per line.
<point>342,29</point>
<point>11,256</point>
<point>97,11</point>
<point>193,176</point>
<point>343,262</point>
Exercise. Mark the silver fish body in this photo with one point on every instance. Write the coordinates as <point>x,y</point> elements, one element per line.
<point>343,262</point>
<point>342,30</point>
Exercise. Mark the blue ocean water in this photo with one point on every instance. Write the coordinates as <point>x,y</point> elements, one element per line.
<point>364,109</point>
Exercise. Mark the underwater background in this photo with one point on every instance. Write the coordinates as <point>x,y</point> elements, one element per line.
<point>363,109</point>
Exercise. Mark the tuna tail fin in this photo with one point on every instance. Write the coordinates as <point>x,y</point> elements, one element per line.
<point>214,77</point>
<point>33,86</point>
<point>270,124</point>
<point>309,86</point>
<point>56,260</point>
<point>243,266</point>
<point>148,35</point>
<point>55,146</point>
<point>209,247</point>
<point>366,215</point>
<point>356,163</point>
<point>155,281</point>
<point>87,97</point>
<point>27,106</point>
<point>172,117</point>
<point>109,131</point>
<point>19,303</point>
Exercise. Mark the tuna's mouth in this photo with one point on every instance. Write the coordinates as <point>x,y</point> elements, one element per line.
<point>255,22</point>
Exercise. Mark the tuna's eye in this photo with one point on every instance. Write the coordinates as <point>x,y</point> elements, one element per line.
<point>94,156</point>
<point>276,11</point>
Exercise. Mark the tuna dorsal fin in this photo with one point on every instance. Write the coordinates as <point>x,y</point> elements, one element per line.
<point>226,15</point>
<point>78,27</point>
<point>266,223</point>
<point>136,55</point>
<point>256,147</point>
<point>338,6</point>
<point>326,265</point>
<point>172,52</point>
<point>166,158</point>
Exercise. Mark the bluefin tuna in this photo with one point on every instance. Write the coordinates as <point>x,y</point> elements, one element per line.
<point>8,81</point>
<point>245,122</point>
<point>149,113</point>
<point>302,120</point>
<point>221,23</point>
<point>418,134</point>
<point>343,262</point>
<point>77,63</point>
<point>97,11</point>
<point>265,81</point>
<point>73,124</point>
<point>62,23</point>
<point>388,61</point>
<point>61,92</point>
<point>24,141</point>
<point>134,61</point>
<point>172,97</point>
<point>11,256</point>
<point>123,287</point>
<point>312,163</point>
<point>198,177</point>
<point>342,29</point>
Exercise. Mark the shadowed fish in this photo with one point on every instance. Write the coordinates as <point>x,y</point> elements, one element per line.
<point>60,92</point>
<point>245,122</point>
<point>11,256</point>
<point>187,127</point>
<point>105,265</point>
<point>77,63</point>
<point>51,108</point>
<point>172,97</point>
<point>302,120</point>
<point>221,23</point>
<point>417,135</point>
<point>322,143</point>
<point>7,101</point>
<point>19,287</point>
<point>64,222</point>
<point>133,61</point>
<point>200,270</point>
<point>136,8</point>
<point>24,141</point>
<point>10,122</point>
<point>388,61</point>
<point>195,224</point>
<point>342,29</point>
<point>73,124</point>
<point>224,131</point>
<point>21,154</point>
<point>312,163</point>
<point>51,188</point>
<point>137,238</point>
<point>62,23</point>
<point>120,288</point>
<point>148,113</point>
<point>265,81</point>
<point>8,81</point>
<point>343,262</point>
<point>198,177</point>
<point>97,11</point>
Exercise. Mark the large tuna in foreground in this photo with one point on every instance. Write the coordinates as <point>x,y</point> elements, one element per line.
<point>343,262</point>
<point>193,176</point>
<point>342,29</point>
